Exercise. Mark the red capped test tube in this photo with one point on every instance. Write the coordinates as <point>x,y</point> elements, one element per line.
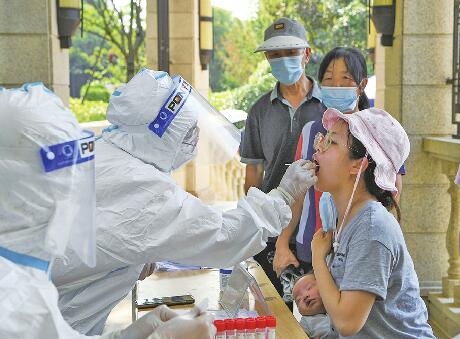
<point>240,326</point>
<point>250,328</point>
<point>271,327</point>
<point>230,328</point>
<point>220,326</point>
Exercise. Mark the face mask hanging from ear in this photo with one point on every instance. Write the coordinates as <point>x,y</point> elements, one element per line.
<point>335,245</point>
<point>327,212</point>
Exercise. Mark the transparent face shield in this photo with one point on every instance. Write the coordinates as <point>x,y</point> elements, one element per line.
<point>52,186</point>
<point>209,135</point>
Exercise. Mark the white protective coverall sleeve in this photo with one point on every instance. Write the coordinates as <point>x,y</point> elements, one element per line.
<point>144,216</point>
<point>29,310</point>
<point>29,305</point>
<point>160,221</point>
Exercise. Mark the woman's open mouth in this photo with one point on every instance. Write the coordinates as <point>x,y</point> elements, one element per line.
<point>317,166</point>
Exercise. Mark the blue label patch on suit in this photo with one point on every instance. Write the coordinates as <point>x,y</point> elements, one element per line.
<point>171,107</point>
<point>68,153</point>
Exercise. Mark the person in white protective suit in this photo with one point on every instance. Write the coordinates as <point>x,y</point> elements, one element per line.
<point>143,216</point>
<point>47,204</point>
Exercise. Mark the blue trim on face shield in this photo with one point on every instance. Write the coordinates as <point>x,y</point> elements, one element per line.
<point>110,128</point>
<point>28,85</point>
<point>171,107</point>
<point>24,259</point>
<point>160,75</point>
<point>68,153</point>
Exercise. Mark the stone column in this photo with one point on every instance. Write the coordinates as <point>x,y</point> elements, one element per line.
<point>416,93</point>
<point>184,60</point>
<point>183,42</point>
<point>29,46</point>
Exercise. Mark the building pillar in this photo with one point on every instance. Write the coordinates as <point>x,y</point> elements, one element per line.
<point>29,46</point>
<point>185,61</point>
<point>416,93</point>
<point>184,50</point>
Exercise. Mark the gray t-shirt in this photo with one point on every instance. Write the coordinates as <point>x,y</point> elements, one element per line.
<point>372,256</point>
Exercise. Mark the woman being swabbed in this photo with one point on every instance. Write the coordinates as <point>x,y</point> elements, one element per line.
<point>364,272</point>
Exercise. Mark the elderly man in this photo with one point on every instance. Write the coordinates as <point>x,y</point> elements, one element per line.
<point>272,131</point>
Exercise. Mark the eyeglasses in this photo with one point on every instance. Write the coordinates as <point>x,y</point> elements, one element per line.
<point>322,142</point>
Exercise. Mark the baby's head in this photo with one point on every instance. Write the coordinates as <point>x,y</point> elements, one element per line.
<point>306,296</point>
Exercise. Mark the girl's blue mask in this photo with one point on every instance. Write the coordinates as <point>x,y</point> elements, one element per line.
<point>343,99</point>
<point>287,69</point>
<point>327,212</point>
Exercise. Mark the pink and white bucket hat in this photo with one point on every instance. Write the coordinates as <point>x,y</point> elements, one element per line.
<point>383,137</point>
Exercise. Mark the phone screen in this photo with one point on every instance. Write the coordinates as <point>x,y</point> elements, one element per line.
<point>169,301</point>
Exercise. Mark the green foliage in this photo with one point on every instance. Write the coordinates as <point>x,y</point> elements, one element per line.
<point>328,23</point>
<point>112,48</point>
<point>89,110</point>
<point>221,100</point>
<point>260,82</point>
<point>91,54</point>
<point>122,27</point>
<point>233,61</point>
<point>96,92</point>
<point>223,20</point>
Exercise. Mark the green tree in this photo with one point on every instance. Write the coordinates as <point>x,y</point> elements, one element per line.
<point>223,22</point>
<point>328,23</point>
<point>233,62</point>
<point>123,28</point>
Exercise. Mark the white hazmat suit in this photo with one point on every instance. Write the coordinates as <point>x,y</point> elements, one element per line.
<point>47,205</point>
<point>143,216</point>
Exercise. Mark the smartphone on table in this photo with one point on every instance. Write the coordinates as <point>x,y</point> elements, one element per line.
<point>175,300</point>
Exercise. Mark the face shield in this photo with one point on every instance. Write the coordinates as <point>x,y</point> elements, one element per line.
<point>211,137</point>
<point>53,184</point>
<point>47,200</point>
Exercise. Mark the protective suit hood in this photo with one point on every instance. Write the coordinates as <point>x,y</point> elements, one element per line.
<point>133,107</point>
<point>46,167</point>
<point>164,122</point>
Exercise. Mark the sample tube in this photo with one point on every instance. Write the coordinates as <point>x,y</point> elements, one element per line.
<point>260,327</point>
<point>240,325</point>
<point>250,328</point>
<point>230,328</point>
<point>271,327</point>
<point>220,326</point>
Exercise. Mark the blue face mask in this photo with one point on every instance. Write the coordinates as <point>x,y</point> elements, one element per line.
<point>327,212</point>
<point>287,69</point>
<point>343,99</point>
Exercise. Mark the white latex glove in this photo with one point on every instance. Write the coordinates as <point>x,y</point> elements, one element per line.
<point>146,325</point>
<point>147,271</point>
<point>200,327</point>
<point>299,177</point>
